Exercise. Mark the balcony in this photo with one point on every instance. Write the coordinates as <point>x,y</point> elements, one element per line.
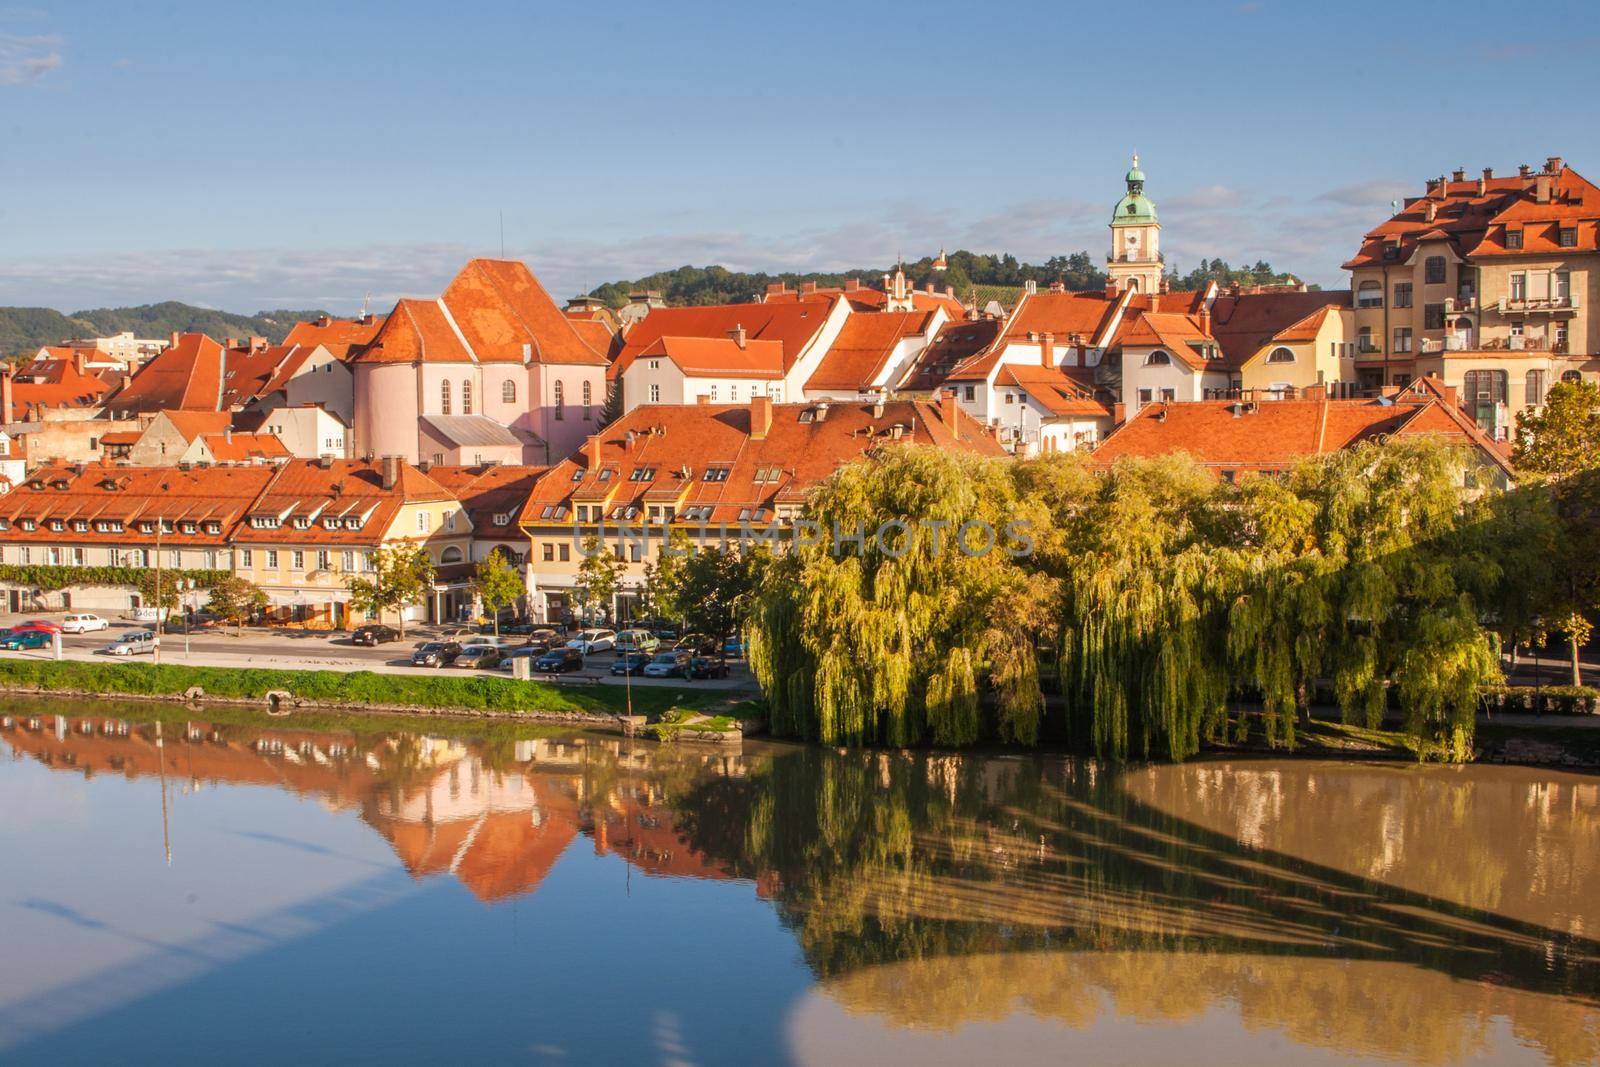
<point>1137,257</point>
<point>1455,305</point>
<point>1548,305</point>
<point>1365,347</point>
<point>1456,342</point>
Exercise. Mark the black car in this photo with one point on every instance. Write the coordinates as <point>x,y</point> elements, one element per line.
<point>559,661</point>
<point>706,667</point>
<point>374,634</point>
<point>697,644</point>
<point>436,654</point>
<point>544,638</point>
<point>631,663</point>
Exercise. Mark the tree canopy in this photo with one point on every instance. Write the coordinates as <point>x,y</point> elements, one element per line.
<point>401,577</point>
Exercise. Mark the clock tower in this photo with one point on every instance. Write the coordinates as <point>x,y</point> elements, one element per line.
<point>1135,261</point>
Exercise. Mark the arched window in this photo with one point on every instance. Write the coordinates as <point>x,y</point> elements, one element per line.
<point>1280,355</point>
<point>450,555</point>
<point>1571,376</point>
<point>560,395</point>
<point>587,395</point>
<point>1158,358</point>
<point>1534,387</point>
<point>508,391</point>
<point>466,396</point>
<point>444,398</point>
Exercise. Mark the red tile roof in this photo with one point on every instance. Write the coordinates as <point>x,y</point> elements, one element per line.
<point>1176,332</point>
<point>332,495</point>
<point>1243,324</point>
<point>187,376</point>
<point>865,298</point>
<point>1064,315</point>
<point>490,491</point>
<point>192,424</point>
<point>793,325</point>
<point>244,447</point>
<point>675,445</point>
<point>720,357</point>
<point>1054,390</point>
<point>338,336</point>
<point>200,506</point>
<point>1271,435</point>
<point>493,311</point>
<point>864,345</point>
<point>955,343</point>
<point>55,383</point>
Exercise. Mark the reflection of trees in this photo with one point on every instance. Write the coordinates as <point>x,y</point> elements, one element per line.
<point>897,857</point>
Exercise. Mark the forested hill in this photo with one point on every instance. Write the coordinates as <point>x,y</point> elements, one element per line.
<point>967,271</point>
<point>23,330</point>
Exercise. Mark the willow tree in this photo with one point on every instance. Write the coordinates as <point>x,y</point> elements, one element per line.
<point>904,603</point>
<point>1143,619</point>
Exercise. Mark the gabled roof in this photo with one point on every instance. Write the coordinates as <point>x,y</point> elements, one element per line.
<point>1064,314</point>
<point>493,311</point>
<point>866,298</point>
<point>955,343</point>
<point>338,336</point>
<point>345,490</point>
<point>192,424</point>
<point>1245,323</point>
<point>56,383</point>
<point>793,325</point>
<point>1053,390</point>
<point>1271,435</point>
<point>250,372</point>
<point>660,455</point>
<point>244,447</point>
<point>864,345</point>
<point>490,491</point>
<point>186,376</point>
<point>468,431</point>
<point>719,357</point>
<point>102,495</point>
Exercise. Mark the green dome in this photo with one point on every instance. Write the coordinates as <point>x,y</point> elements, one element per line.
<point>1135,209</point>
<point>1134,173</point>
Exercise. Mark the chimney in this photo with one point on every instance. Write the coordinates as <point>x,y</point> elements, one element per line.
<point>1047,349</point>
<point>324,319</point>
<point>852,284</point>
<point>877,406</point>
<point>80,360</point>
<point>391,472</point>
<point>1542,184</point>
<point>702,398</point>
<point>227,435</point>
<point>1488,174</point>
<point>1058,286</point>
<point>1030,287</point>
<point>1552,165</point>
<point>1155,302</point>
<point>1460,175</point>
<point>821,411</point>
<point>737,334</point>
<point>1438,189</point>
<point>947,413</point>
<point>257,342</point>
<point>7,397</point>
<point>590,451</point>
<point>760,417</point>
<point>949,290</point>
<point>1205,319</point>
<point>229,342</point>
<point>777,288</point>
<point>325,462</point>
<point>1523,170</point>
<point>1111,289</point>
<point>808,287</point>
<point>173,343</point>
<point>1483,185</point>
<point>1430,211</point>
<point>1119,414</point>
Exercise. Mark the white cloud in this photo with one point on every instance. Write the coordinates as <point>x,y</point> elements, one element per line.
<point>24,59</point>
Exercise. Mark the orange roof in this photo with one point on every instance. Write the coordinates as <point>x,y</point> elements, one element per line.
<point>673,446</point>
<point>1062,314</point>
<point>595,333</point>
<point>338,336</point>
<point>1271,435</point>
<point>489,491</point>
<point>793,325</point>
<point>720,357</point>
<point>864,345</point>
<point>956,342</point>
<point>338,501</point>
<point>55,383</point>
<point>1474,223</point>
<point>1054,390</point>
<point>1175,331</point>
<point>244,447</point>
<point>1244,324</point>
<point>493,311</point>
<point>102,503</point>
<point>187,376</point>
<point>192,424</point>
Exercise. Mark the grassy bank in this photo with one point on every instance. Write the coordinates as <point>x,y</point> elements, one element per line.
<point>354,688</point>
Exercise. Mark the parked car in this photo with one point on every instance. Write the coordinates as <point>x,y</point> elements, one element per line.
<point>21,639</point>
<point>477,656</point>
<point>671,664</point>
<point>436,654</point>
<point>636,641</point>
<point>508,628</point>
<point>83,624</point>
<point>630,663</point>
<point>696,644</point>
<point>459,634</point>
<point>559,661</point>
<point>374,634</point>
<point>39,624</point>
<point>706,667</point>
<point>133,643</point>
<point>526,652</point>
<point>590,641</point>
<point>734,647</point>
<point>545,638</point>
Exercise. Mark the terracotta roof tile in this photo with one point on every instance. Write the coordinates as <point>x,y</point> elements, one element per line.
<point>187,376</point>
<point>793,325</point>
<point>201,506</point>
<point>864,345</point>
<point>338,336</point>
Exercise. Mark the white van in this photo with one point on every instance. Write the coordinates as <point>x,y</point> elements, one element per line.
<point>637,641</point>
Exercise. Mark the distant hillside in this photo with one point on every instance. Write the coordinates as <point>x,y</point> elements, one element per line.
<point>969,273</point>
<point>23,330</point>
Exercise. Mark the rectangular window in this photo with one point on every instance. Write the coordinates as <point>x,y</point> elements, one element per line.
<point>1169,395</point>
<point>369,562</point>
<point>1519,286</point>
<point>1433,270</point>
<point>54,556</point>
<point>1567,236</point>
<point>566,552</point>
<point>177,560</point>
<point>347,562</point>
<point>1563,285</point>
<point>323,562</point>
<point>1145,396</point>
<point>972,392</point>
<point>1513,238</point>
<point>549,552</point>
<point>24,555</point>
<point>77,557</point>
<point>1433,317</point>
<point>1402,295</point>
<point>634,552</point>
<point>246,558</point>
<point>272,559</point>
<point>655,393</point>
<point>297,560</point>
<point>1402,339</point>
<point>422,522</point>
<point>115,556</point>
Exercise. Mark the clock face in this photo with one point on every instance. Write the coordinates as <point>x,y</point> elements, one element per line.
<point>1133,239</point>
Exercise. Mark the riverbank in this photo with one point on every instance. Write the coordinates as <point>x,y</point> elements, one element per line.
<point>285,691</point>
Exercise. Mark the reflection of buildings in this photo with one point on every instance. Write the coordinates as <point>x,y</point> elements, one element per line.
<point>496,818</point>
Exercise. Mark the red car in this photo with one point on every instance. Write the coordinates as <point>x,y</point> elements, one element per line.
<point>39,624</point>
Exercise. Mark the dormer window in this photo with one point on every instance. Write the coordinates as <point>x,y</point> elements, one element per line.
<point>1513,238</point>
<point>502,518</point>
<point>352,523</point>
<point>330,523</point>
<point>188,527</point>
<point>5,524</point>
<point>213,527</point>
<point>57,525</point>
<point>577,475</point>
<point>29,525</point>
<point>1567,236</point>
<point>147,526</point>
<point>717,474</point>
<point>80,525</point>
<point>642,474</point>
<point>1158,358</point>
<point>302,522</point>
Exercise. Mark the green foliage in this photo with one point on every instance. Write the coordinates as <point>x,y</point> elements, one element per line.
<point>24,330</point>
<point>49,579</point>
<point>1562,438</point>
<point>663,579</point>
<point>236,600</point>
<point>715,587</point>
<point>598,576</point>
<point>341,687</point>
<point>499,584</point>
<point>402,575</point>
<point>1217,270</point>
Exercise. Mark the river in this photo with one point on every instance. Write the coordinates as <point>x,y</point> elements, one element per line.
<point>216,887</point>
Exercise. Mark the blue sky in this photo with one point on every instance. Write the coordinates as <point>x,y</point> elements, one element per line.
<point>296,155</point>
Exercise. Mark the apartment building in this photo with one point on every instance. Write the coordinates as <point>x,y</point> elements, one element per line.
<point>708,470</point>
<point>1487,284</point>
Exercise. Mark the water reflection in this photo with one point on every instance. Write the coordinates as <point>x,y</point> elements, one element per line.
<point>1399,912</point>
